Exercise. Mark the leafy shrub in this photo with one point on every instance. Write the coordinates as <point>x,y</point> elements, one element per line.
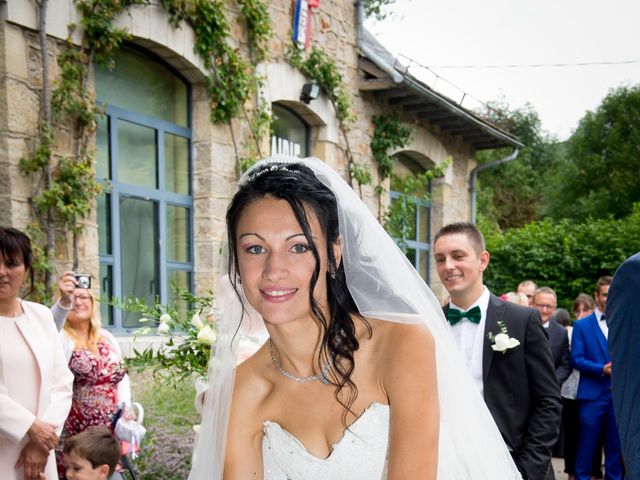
<point>565,256</point>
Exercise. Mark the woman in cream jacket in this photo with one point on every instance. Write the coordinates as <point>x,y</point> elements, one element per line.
<point>35,382</point>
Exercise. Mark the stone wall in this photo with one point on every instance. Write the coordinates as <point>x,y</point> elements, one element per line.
<point>214,170</point>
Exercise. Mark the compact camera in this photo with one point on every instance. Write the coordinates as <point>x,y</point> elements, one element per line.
<point>84,280</point>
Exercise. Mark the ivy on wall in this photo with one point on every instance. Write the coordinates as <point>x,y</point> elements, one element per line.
<point>69,188</point>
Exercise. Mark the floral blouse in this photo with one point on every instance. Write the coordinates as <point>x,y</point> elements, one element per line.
<point>95,391</point>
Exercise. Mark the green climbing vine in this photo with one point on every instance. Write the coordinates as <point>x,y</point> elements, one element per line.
<point>388,135</point>
<point>399,218</point>
<point>67,186</point>
<point>232,79</point>
<point>322,69</point>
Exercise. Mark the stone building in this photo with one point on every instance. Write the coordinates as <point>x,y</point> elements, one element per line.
<point>168,172</point>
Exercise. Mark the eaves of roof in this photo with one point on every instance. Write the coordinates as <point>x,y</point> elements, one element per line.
<point>403,91</point>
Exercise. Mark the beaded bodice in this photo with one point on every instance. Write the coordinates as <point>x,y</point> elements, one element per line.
<point>361,453</point>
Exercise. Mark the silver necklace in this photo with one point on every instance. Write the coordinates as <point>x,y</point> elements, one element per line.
<point>323,376</point>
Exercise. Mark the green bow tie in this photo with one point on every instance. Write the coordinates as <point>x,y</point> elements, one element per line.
<point>454,315</point>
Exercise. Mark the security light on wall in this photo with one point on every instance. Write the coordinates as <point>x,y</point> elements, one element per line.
<point>310,91</point>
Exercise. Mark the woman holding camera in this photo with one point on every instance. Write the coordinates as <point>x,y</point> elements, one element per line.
<point>35,382</point>
<point>95,359</point>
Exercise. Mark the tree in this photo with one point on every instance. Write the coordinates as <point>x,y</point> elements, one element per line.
<point>600,175</point>
<point>511,195</point>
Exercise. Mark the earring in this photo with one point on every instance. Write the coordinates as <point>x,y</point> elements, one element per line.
<point>239,280</point>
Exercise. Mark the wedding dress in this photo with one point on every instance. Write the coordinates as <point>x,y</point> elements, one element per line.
<point>361,453</point>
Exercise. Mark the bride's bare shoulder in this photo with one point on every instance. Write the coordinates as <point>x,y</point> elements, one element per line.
<point>252,384</point>
<point>400,342</point>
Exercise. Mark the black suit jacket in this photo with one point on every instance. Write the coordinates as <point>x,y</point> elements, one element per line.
<point>520,387</point>
<point>623,318</point>
<point>559,343</point>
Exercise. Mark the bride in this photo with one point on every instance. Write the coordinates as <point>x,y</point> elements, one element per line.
<point>359,378</point>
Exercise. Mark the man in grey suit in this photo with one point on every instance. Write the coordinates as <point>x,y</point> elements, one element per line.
<point>516,374</point>
<point>623,319</point>
<point>546,302</point>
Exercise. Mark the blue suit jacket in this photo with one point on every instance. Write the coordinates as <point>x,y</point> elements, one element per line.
<point>623,316</point>
<point>589,354</point>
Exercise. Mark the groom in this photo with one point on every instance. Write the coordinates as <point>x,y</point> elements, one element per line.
<point>516,378</point>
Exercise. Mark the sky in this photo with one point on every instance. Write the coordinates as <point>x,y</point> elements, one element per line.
<point>443,33</point>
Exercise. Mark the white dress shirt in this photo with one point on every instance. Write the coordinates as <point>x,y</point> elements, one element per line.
<point>602,323</point>
<point>470,338</point>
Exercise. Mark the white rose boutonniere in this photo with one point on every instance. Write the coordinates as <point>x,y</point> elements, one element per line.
<point>502,341</point>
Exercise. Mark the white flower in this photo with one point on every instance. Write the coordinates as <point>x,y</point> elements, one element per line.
<point>502,342</point>
<point>206,335</point>
<point>165,318</point>
<point>163,328</point>
<point>143,320</point>
<point>196,321</point>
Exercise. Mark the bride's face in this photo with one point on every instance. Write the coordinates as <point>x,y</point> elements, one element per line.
<point>276,262</point>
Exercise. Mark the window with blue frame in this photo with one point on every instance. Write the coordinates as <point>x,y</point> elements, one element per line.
<point>417,231</point>
<point>143,161</point>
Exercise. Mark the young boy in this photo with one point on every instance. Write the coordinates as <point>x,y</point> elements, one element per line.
<point>91,455</point>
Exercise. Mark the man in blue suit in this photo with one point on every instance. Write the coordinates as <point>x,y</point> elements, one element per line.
<point>590,355</point>
<point>623,317</point>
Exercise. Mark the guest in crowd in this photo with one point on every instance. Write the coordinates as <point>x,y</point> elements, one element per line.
<point>518,384</point>
<point>95,359</point>
<point>582,306</point>
<point>517,298</point>
<point>35,382</point>
<point>545,301</point>
<point>66,289</point>
<point>527,288</point>
<point>590,355</point>
<point>623,317</point>
<point>562,317</point>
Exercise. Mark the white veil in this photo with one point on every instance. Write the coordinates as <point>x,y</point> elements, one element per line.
<point>385,286</point>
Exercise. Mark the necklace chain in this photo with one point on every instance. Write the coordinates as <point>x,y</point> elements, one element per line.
<point>322,377</point>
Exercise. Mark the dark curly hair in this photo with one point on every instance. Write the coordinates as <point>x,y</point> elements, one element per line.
<point>298,186</point>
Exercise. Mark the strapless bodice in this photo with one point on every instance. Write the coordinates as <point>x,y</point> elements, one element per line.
<point>361,453</point>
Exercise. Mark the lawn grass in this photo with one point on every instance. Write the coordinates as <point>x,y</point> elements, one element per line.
<point>169,418</point>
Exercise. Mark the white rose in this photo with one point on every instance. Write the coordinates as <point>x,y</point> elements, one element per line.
<point>165,318</point>
<point>206,335</point>
<point>196,321</point>
<point>163,328</point>
<point>502,342</point>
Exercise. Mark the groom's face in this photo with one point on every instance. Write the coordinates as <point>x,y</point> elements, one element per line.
<point>460,265</point>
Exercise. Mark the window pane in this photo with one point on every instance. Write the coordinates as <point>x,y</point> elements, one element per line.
<point>140,84</point>
<point>423,264</point>
<point>179,280</point>
<point>178,240</point>
<point>106,292</point>
<point>423,213</point>
<point>104,224</point>
<point>412,219</point>
<point>139,262</point>
<point>176,164</point>
<point>288,133</point>
<point>102,149</point>
<point>411,255</point>
<point>136,154</point>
